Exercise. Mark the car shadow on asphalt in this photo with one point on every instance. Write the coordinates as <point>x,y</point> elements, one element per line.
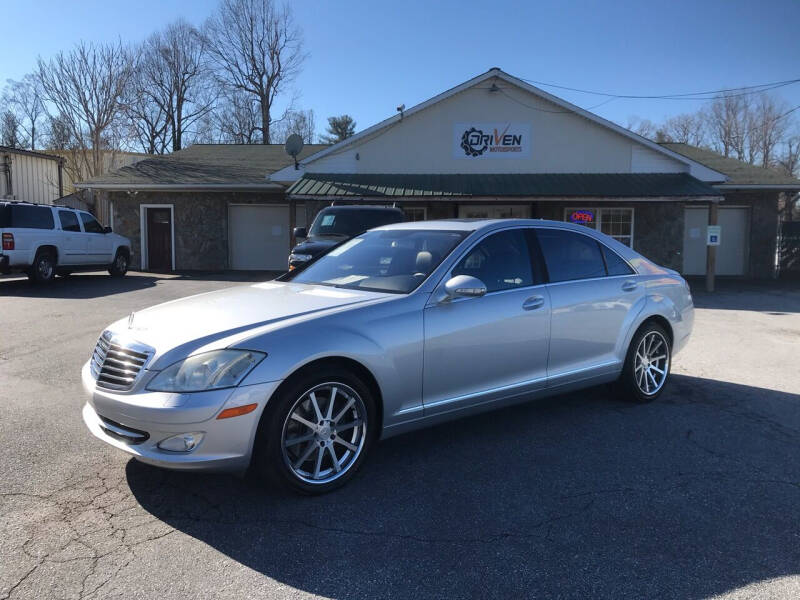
<point>581,495</point>
<point>82,286</point>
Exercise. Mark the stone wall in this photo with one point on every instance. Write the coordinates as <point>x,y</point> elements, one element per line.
<point>201,224</point>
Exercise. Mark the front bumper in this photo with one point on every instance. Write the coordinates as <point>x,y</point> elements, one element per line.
<point>227,444</point>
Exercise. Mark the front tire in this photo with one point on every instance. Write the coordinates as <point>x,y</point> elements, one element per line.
<point>119,267</point>
<point>43,269</point>
<point>647,364</point>
<point>316,432</point>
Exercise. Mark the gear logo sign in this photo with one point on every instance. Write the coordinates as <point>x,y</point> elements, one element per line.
<point>473,142</point>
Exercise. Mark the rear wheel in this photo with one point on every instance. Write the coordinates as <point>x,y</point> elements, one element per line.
<point>119,267</point>
<point>647,364</point>
<point>43,268</point>
<point>315,434</point>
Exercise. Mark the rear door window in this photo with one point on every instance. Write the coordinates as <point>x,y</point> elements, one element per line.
<point>30,217</point>
<point>614,264</point>
<point>570,256</point>
<point>69,220</point>
<point>90,224</point>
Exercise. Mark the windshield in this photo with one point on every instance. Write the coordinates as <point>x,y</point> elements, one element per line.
<point>349,222</point>
<point>383,261</point>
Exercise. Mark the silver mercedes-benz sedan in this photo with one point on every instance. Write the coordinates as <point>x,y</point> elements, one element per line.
<point>401,327</point>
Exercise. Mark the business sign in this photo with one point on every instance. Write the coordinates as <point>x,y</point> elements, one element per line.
<point>713,235</point>
<point>583,217</point>
<point>475,141</point>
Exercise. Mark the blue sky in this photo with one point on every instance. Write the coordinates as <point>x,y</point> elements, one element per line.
<point>366,57</point>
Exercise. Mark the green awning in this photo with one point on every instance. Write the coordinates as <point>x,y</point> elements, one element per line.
<point>606,185</point>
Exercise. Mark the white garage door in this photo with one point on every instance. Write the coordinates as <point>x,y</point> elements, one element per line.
<point>732,252</point>
<point>258,236</point>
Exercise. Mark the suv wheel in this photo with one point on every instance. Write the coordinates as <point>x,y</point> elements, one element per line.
<point>315,433</point>
<point>119,267</point>
<point>44,267</point>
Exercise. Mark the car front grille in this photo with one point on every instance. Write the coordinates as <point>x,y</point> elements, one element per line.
<point>116,364</point>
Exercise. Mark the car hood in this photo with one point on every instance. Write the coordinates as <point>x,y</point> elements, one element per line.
<point>315,246</point>
<point>205,322</point>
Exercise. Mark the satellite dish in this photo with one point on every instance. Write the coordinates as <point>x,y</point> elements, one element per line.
<point>293,146</point>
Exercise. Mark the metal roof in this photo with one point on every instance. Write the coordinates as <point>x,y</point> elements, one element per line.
<point>739,172</point>
<point>609,185</point>
<point>203,166</point>
<point>10,150</point>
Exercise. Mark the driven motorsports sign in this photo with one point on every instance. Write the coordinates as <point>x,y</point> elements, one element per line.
<point>475,141</point>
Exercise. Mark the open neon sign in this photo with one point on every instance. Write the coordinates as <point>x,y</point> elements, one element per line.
<point>582,216</point>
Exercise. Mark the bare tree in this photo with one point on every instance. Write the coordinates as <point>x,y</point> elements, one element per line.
<point>643,127</point>
<point>301,122</point>
<point>9,129</point>
<point>767,129</point>
<point>257,49</point>
<point>238,119</point>
<point>25,99</point>
<point>789,162</point>
<point>727,118</point>
<point>175,77</point>
<point>685,129</point>
<point>146,116</point>
<point>85,87</point>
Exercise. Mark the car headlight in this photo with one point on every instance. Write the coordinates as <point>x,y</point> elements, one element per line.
<point>300,257</point>
<point>207,371</point>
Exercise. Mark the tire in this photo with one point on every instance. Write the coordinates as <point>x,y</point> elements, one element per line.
<point>119,267</point>
<point>43,269</point>
<point>297,466</point>
<point>647,367</point>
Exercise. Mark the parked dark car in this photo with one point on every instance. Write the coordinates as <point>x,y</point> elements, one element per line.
<point>336,224</point>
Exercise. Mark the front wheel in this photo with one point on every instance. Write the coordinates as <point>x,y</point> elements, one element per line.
<point>119,267</point>
<point>647,364</point>
<point>315,434</point>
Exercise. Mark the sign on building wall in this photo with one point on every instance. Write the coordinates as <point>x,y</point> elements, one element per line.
<point>475,141</point>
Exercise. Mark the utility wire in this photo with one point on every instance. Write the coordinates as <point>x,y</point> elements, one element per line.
<point>707,95</point>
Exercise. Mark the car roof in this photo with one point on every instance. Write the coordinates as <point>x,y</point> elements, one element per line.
<point>361,207</point>
<point>480,224</point>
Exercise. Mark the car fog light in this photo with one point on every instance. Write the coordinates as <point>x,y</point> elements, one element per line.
<point>184,442</point>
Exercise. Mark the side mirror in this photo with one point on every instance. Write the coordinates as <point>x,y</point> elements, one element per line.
<point>300,232</point>
<point>107,230</point>
<point>464,286</point>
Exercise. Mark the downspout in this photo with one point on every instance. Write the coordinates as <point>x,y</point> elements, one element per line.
<point>9,182</point>
<point>60,177</point>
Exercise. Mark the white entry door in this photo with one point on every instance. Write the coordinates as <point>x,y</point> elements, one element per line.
<point>733,251</point>
<point>258,236</point>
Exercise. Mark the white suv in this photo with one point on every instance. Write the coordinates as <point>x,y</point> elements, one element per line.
<point>43,240</point>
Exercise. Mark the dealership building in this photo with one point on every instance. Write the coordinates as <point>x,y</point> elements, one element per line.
<point>493,147</point>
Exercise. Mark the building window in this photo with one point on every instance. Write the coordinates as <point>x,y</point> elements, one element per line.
<point>415,213</point>
<point>494,211</point>
<point>614,222</point>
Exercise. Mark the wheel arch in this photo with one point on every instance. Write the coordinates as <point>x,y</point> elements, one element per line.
<point>48,248</point>
<point>663,322</point>
<point>349,364</point>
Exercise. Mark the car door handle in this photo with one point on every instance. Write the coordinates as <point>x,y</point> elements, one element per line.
<point>533,303</point>
<point>629,286</point>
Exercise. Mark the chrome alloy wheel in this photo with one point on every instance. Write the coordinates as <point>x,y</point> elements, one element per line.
<point>651,363</point>
<point>121,263</point>
<point>324,433</point>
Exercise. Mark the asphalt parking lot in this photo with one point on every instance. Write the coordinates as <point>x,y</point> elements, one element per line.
<point>696,495</point>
